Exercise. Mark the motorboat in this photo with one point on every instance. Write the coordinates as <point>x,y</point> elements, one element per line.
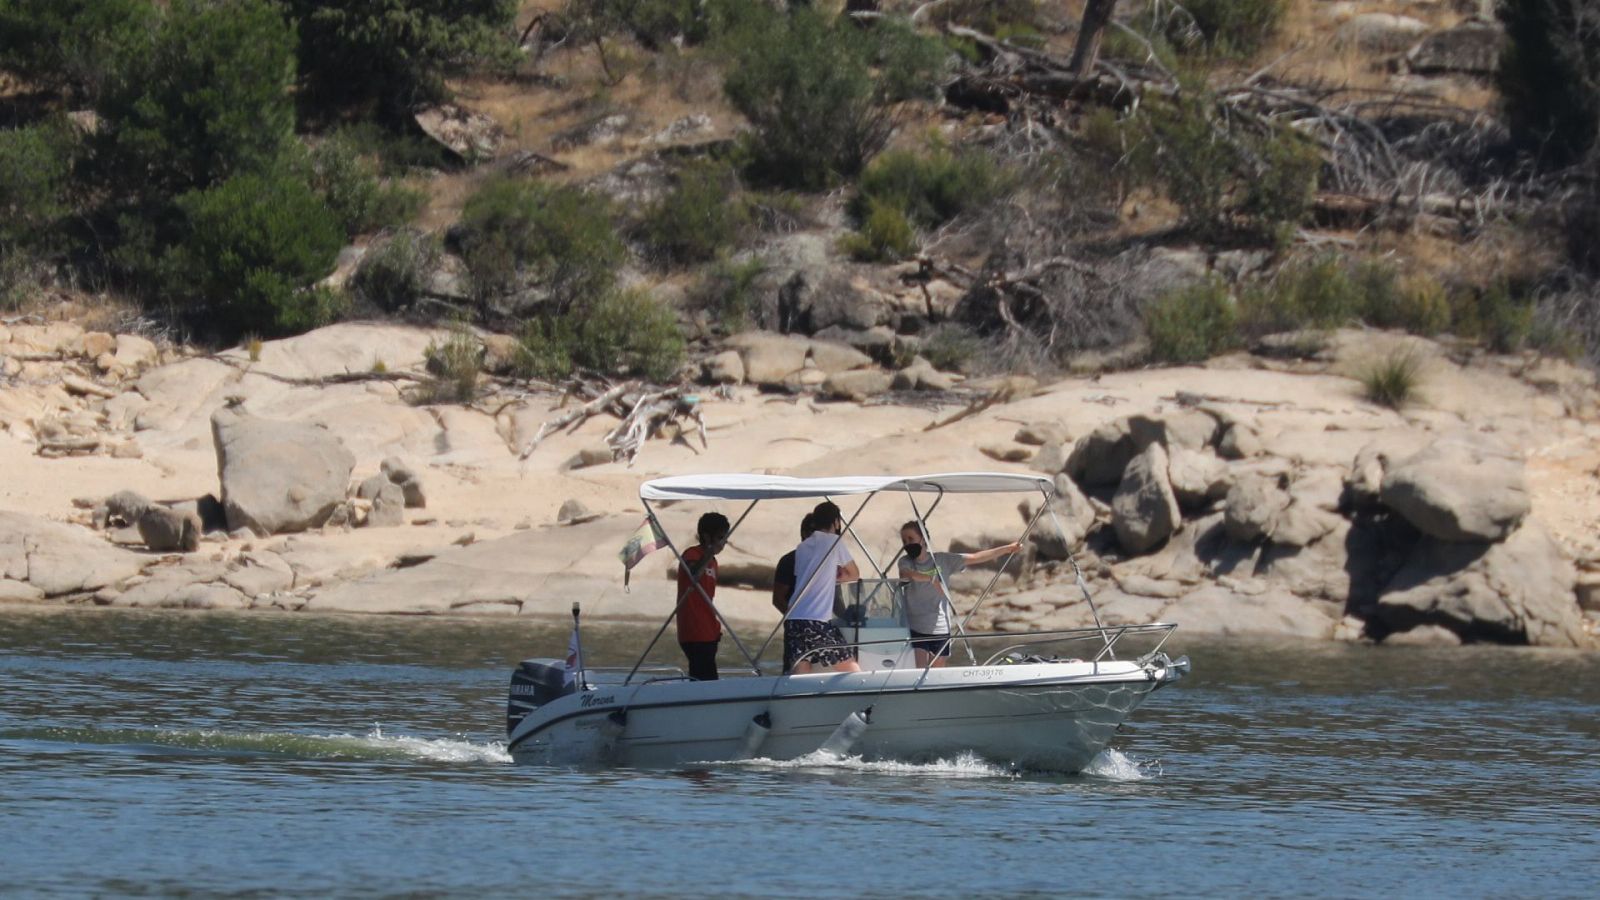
<point>1041,700</point>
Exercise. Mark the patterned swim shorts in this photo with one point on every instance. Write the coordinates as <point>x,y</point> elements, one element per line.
<point>822,640</point>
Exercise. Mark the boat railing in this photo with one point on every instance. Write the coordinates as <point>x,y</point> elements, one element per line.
<point>1108,637</point>
<point>1111,635</point>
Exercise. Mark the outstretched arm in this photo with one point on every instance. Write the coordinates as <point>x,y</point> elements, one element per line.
<point>983,556</point>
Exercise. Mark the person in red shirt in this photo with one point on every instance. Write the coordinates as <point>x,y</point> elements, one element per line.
<point>699,631</point>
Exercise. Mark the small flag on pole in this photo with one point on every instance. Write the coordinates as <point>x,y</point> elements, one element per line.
<point>644,540</point>
<point>574,658</point>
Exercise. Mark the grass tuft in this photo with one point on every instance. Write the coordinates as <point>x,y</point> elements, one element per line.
<point>1393,379</point>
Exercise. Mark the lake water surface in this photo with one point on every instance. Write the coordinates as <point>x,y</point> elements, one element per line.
<point>263,755</point>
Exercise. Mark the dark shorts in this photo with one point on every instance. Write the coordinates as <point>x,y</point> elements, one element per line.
<point>937,644</point>
<point>803,636</point>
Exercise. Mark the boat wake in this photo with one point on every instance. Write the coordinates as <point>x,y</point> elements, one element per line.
<point>964,766</point>
<point>1110,765</point>
<point>1114,765</point>
<point>374,745</point>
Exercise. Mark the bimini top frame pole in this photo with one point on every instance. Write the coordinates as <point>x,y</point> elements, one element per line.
<point>699,588</point>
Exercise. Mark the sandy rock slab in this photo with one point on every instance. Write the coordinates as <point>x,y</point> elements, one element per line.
<point>57,559</point>
<point>1219,610</point>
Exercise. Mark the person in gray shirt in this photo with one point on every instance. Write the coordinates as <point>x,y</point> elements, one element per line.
<point>926,574</point>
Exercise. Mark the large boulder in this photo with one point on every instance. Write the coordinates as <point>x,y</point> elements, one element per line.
<point>388,506</point>
<point>1459,489</point>
<point>1253,507</point>
<point>857,385</point>
<point>1471,48</point>
<point>1198,478</point>
<point>1099,457</point>
<point>771,359</point>
<point>1516,591</point>
<point>166,530</point>
<point>1381,31</point>
<point>1363,485</point>
<point>726,367</point>
<point>1191,429</point>
<point>278,476</point>
<point>1061,530</point>
<point>397,471</point>
<point>1144,510</point>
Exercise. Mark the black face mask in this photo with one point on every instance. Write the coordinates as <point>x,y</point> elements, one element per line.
<point>913,550</point>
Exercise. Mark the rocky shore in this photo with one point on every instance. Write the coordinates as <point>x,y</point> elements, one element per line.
<point>1256,494</point>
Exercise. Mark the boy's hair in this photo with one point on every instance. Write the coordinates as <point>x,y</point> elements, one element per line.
<point>712,525</point>
<point>824,515</point>
<point>808,526</point>
<point>916,526</point>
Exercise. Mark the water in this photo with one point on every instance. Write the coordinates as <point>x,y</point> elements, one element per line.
<point>261,755</point>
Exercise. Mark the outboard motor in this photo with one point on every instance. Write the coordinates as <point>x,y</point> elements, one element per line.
<point>533,684</point>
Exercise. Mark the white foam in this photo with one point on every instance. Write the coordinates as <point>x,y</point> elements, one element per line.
<point>1114,765</point>
<point>438,749</point>
<point>966,765</point>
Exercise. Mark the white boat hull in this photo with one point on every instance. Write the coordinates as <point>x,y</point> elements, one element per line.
<point>1042,716</point>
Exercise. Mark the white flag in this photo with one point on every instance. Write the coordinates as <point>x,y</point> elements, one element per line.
<point>574,658</point>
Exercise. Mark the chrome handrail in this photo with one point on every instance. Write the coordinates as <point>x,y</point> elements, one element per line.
<point>1119,631</point>
<point>1061,634</point>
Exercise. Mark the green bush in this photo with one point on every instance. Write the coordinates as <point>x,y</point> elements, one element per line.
<point>1280,187</point>
<point>910,65</point>
<point>1317,293</point>
<point>779,212</point>
<point>1224,180</point>
<point>932,188</point>
<point>620,333</point>
<point>35,168</point>
<point>1230,27</point>
<point>700,217</point>
<point>454,367</point>
<point>1494,315</point>
<point>1423,307</point>
<point>885,235</point>
<point>951,347</point>
<point>19,273</point>
<point>395,276</point>
<point>396,53</point>
<point>1547,76</point>
<point>1180,151</point>
<point>1192,324</point>
<point>728,291</point>
<point>807,87</point>
<point>249,250</point>
<point>517,233</point>
<point>207,97</point>
<point>1002,19</point>
<point>397,153</point>
<point>349,184</point>
<point>68,45</point>
<point>1392,380</point>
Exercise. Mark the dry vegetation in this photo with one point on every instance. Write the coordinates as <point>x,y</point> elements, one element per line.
<point>1254,164</point>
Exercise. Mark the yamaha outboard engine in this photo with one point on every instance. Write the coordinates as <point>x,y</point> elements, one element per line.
<point>533,684</point>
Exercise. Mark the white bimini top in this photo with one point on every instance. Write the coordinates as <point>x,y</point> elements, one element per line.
<point>739,486</point>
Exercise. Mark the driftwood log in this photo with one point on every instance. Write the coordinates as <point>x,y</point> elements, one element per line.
<point>644,412</point>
